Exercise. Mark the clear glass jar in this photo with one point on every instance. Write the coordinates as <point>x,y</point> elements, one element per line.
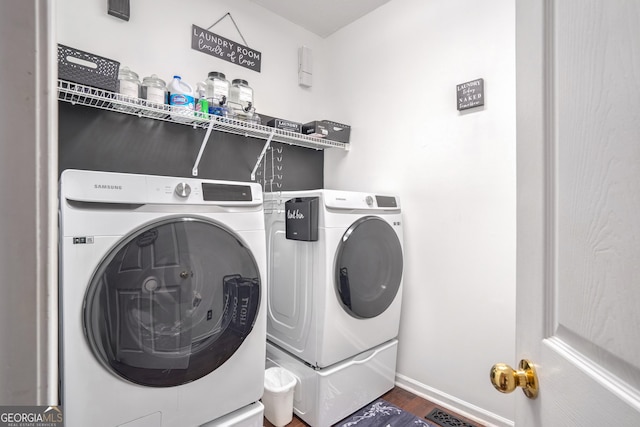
<point>217,88</point>
<point>128,83</point>
<point>154,90</point>
<point>128,90</point>
<point>241,98</point>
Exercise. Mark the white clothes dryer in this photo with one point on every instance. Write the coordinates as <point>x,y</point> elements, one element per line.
<point>162,302</point>
<point>334,301</point>
<point>341,295</point>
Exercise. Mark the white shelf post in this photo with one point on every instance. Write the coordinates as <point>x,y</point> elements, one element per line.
<point>194,171</point>
<point>264,150</point>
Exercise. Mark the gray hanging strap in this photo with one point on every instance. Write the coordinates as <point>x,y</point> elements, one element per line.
<point>234,23</point>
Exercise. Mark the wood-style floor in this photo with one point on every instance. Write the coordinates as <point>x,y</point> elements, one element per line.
<point>402,399</point>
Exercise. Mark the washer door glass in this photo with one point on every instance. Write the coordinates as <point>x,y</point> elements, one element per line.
<point>172,302</point>
<point>368,268</point>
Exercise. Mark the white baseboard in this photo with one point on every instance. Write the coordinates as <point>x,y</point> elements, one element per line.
<point>451,403</point>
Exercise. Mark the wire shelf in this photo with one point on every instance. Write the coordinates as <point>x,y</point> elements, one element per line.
<point>97,98</point>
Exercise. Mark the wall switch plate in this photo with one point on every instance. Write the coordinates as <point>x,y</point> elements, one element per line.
<point>305,79</point>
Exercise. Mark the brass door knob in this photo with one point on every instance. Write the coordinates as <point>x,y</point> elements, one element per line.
<point>505,379</point>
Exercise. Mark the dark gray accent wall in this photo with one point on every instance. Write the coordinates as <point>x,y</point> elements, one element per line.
<point>94,139</point>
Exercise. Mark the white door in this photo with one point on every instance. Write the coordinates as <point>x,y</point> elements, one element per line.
<point>578,259</point>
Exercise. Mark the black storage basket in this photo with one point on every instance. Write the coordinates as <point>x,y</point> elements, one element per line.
<point>103,76</point>
<point>301,219</point>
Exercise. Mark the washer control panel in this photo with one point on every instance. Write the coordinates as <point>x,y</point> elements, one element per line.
<point>113,187</point>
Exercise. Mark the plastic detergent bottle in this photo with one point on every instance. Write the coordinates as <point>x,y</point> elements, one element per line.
<point>202,105</point>
<point>181,100</point>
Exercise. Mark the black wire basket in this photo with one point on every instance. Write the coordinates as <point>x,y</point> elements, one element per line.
<point>87,69</point>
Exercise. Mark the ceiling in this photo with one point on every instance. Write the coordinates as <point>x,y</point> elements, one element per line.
<point>322,17</point>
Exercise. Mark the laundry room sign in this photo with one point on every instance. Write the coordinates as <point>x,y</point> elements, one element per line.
<point>212,44</point>
<point>470,94</point>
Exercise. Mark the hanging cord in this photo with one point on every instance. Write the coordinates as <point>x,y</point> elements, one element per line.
<point>234,23</point>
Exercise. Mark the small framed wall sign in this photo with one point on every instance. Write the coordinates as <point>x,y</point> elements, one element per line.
<point>470,94</point>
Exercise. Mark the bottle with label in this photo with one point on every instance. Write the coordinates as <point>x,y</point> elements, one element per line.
<point>217,92</point>
<point>181,100</point>
<point>202,104</point>
<point>128,90</point>
<point>241,99</point>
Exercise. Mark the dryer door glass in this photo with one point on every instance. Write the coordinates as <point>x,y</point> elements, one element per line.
<point>368,270</point>
<point>172,302</point>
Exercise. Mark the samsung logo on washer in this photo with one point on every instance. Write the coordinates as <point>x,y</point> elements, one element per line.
<point>107,187</point>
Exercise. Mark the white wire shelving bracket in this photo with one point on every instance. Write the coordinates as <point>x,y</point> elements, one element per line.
<point>261,156</point>
<point>79,94</point>
<point>194,171</point>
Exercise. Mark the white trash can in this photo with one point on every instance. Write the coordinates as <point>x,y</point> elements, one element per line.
<point>278,396</point>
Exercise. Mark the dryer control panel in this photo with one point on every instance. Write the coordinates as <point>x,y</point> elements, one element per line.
<point>354,200</point>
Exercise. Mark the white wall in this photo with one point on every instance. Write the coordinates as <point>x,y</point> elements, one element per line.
<point>157,40</point>
<point>393,75</point>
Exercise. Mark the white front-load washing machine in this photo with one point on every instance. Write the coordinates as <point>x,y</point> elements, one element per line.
<point>162,300</point>
<point>334,300</point>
